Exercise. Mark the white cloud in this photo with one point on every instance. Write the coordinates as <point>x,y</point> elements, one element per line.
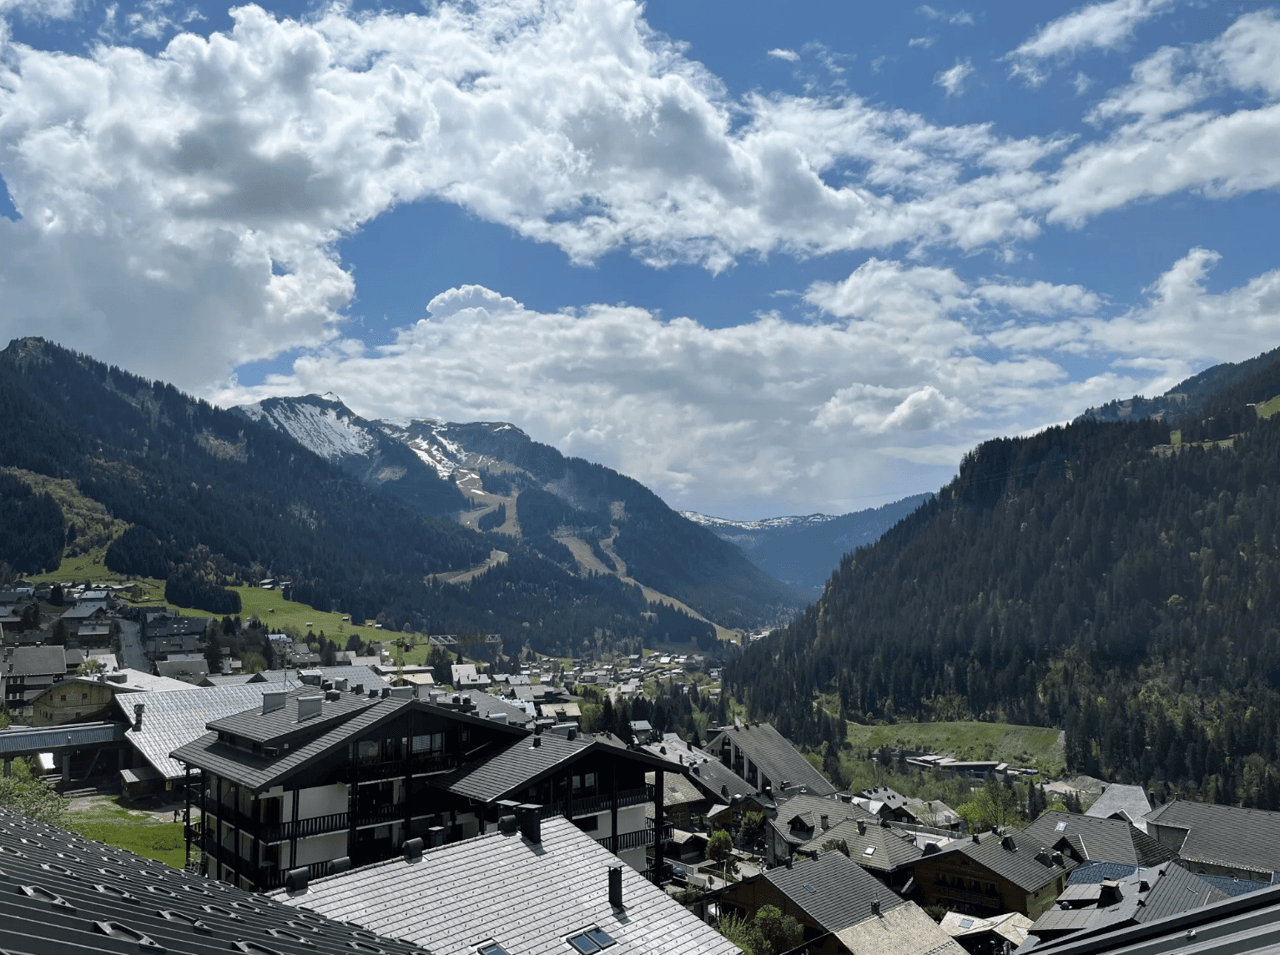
<point>789,55</point>
<point>952,80</point>
<point>224,159</point>
<point>962,17</point>
<point>37,10</point>
<point>922,41</point>
<point>1099,26</point>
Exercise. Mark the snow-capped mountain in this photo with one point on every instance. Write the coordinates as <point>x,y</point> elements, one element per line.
<point>805,550</point>
<point>323,424</point>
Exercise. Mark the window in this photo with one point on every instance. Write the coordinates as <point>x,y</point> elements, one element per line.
<point>590,940</point>
<point>491,948</point>
<point>869,851</point>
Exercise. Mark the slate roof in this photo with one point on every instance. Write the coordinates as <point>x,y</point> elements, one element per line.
<point>61,890</point>
<point>285,722</point>
<point>811,809</point>
<point>720,781</point>
<point>135,681</point>
<point>1018,864</point>
<point>527,897</point>
<point>1099,839</point>
<point>1011,926</point>
<point>1117,798</point>
<point>1237,926</point>
<point>357,675</point>
<point>173,719</point>
<point>774,754</point>
<point>1091,873</point>
<point>834,891</point>
<point>37,661</point>
<point>676,789</point>
<point>889,850</point>
<point>1224,835</point>
<point>261,772</point>
<point>901,930</point>
<point>1178,890</point>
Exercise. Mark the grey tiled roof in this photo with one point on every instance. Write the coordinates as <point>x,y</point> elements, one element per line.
<point>76,887</point>
<point>1119,798</point>
<point>519,765</point>
<point>811,809</point>
<point>261,772</point>
<point>1099,839</point>
<point>284,722</point>
<point>1177,890</point>
<point>719,781</point>
<point>526,897</point>
<point>37,661</point>
<point>901,930</point>
<point>775,756</point>
<point>890,850</point>
<point>1224,835</point>
<point>834,891</point>
<point>1091,873</point>
<point>1017,864</point>
<point>173,719</point>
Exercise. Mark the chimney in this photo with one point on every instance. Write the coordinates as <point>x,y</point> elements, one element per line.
<point>875,906</point>
<point>343,684</point>
<point>1109,894</point>
<point>435,837</point>
<point>531,822</point>
<point>138,709</point>
<point>333,696</point>
<point>340,864</point>
<point>272,700</point>
<point>862,827</point>
<point>296,879</point>
<point>309,707</point>
<point>412,850</point>
<point>1007,843</point>
<point>615,887</point>
<point>508,824</point>
<point>822,821</point>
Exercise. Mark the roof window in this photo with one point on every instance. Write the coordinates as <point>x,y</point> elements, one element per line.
<point>491,948</point>
<point>590,940</point>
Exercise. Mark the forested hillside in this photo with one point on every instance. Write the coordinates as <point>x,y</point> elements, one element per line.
<point>1094,577</point>
<point>214,498</point>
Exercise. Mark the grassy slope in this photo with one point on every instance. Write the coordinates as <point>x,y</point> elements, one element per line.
<point>1033,746</point>
<point>138,832</point>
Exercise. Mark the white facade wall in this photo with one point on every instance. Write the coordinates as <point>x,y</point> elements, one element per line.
<point>318,801</point>
<point>332,845</point>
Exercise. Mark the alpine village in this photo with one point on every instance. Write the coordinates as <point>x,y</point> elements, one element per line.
<point>280,679</point>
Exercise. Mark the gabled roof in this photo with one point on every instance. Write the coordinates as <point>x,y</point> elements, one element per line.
<point>173,719</point>
<point>873,846</point>
<point>289,720</point>
<point>676,789</point>
<point>1129,801</point>
<point>261,772</point>
<point>1098,839</point>
<point>1012,857</point>
<point>1224,835</point>
<point>774,754</point>
<point>527,897</point>
<point>134,681</point>
<point>37,661</point>
<point>834,891</point>
<point>810,809</point>
<point>66,894</point>
<point>530,760</point>
<point>901,930</point>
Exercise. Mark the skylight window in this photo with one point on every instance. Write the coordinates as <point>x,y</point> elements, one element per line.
<point>869,851</point>
<point>590,940</point>
<point>491,948</point>
<point>1062,826</point>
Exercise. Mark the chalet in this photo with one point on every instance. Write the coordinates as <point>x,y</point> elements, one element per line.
<point>992,874</point>
<point>832,894</point>
<point>887,853</point>
<point>533,886</point>
<point>339,778</point>
<point>1097,839</point>
<point>26,672</point>
<point>1220,840</point>
<point>1118,801</point>
<point>88,698</point>
<point>764,758</point>
<point>803,819</point>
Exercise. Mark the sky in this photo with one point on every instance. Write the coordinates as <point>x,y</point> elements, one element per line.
<point>767,258</point>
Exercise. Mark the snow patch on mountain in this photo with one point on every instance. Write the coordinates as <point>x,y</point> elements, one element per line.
<point>769,523</point>
<point>324,425</point>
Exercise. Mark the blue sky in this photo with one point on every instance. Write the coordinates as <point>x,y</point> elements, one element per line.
<point>765,258</point>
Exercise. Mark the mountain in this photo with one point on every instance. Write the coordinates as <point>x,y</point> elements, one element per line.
<point>586,518</point>
<point>1188,397</point>
<point>1118,580</point>
<point>803,551</point>
<point>212,498</point>
<point>324,425</point>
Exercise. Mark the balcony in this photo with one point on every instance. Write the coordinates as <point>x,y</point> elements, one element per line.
<point>419,764</point>
<point>302,828</point>
<point>590,805</point>
<point>639,839</point>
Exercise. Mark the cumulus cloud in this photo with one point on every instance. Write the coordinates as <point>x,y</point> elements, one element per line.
<point>789,55</point>
<point>1098,26</point>
<point>957,17</point>
<point>952,80</point>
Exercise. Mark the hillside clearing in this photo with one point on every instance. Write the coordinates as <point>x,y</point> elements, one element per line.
<point>1037,747</point>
